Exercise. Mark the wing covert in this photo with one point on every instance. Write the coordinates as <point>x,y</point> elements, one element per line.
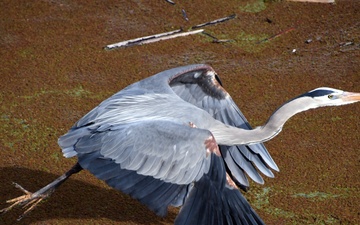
<point>201,87</point>
<point>150,148</point>
<point>147,159</point>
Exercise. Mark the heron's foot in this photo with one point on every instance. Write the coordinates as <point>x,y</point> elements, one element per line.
<point>28,200</point>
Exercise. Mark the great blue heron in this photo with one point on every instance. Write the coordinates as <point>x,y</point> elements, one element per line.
<point>177,138</point>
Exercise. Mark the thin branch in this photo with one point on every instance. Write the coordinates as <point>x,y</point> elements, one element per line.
<point>171,2</point>
<point>135,41</point>
<point>216,40</point>
<point>152,38</point>
<point>215,21</point>
<point>184,15</point>
<point>169,35</point>
<point>276,35</point>
<point>172,36</point>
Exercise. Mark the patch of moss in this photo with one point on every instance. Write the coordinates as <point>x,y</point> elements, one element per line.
<point>250,42</point>
<point>262,202</point>
<point>76,92</point>
<point>254,6</point>
<point>316,196</point>
<point>262,197</point>
<point>336,118</point>
<point>16,130</point>
<point>27,53</point>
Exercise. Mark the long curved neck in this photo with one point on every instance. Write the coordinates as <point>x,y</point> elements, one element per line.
<point>228,135</point>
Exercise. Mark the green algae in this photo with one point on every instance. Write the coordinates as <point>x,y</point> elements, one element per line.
<point>262,202</point>
<point>251,42</point>
<point>254,6</point>
<point>75,92</point>
<point>316,196</point>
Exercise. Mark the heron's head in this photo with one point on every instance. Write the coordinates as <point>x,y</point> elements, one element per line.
<point>325,96</point>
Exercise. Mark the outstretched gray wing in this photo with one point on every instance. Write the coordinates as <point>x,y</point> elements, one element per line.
<point>145,159</point>
<point>201,87</point>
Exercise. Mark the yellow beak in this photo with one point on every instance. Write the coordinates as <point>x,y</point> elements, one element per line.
<point>351,97</point>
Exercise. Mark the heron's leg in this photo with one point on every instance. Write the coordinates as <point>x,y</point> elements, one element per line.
<point>31,200</point>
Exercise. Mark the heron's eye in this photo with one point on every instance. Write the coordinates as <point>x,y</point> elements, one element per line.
<point>330,96</point>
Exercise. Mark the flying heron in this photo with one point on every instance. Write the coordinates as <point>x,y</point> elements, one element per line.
<point>178,139</point>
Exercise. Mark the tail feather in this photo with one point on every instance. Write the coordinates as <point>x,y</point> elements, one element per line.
<point>212,201</point>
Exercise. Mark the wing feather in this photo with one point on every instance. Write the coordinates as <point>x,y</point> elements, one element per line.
<point>145,159</point>
<point>137,146</point>
<point>212,201</point>
<point>201,88</point>
<point>246,165</point>
<point>154,193</point>
<point>150,164</point>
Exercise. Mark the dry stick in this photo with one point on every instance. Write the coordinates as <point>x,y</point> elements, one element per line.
<point>215,39</point>
<point>184,15</point>
<point>166,35</point>
<point>151,39</point>
<point>210,35</point>
<point>215,21</point>
<point>172,36</point>
<point>136,41</point>
<point>171,2</point>
<point>276,35</point>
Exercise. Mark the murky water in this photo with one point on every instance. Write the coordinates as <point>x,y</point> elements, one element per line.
<point>54,70</point>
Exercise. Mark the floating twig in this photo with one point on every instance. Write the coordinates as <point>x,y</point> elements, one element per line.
<point>222,40</point>
<point>169,35</point>
<point>343,44</point>
<point>171,2</point>
<point>136,40</point>
<point>184,15</point>
<point>173,36</point>
<point>216,40</point>
<point>276,35</point>
<point>214,21</point>
<point>152,38</point>
<point>348,46</point>
<point>210,35</point>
